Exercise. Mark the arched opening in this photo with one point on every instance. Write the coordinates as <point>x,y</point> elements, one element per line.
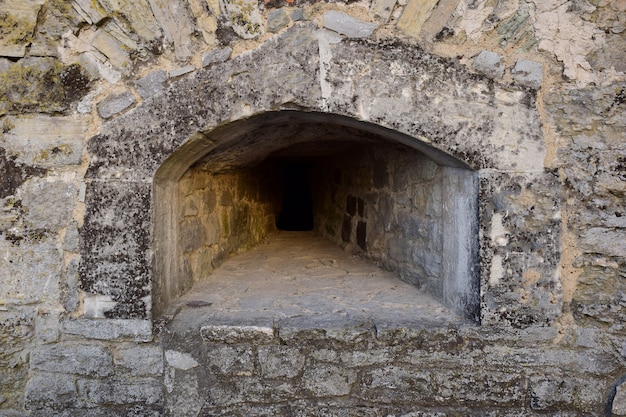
<point>389,198</point>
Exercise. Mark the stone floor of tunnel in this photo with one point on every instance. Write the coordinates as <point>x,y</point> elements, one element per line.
<point>299,274</point>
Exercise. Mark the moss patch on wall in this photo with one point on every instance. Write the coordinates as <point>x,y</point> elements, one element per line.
<point>42,85</point>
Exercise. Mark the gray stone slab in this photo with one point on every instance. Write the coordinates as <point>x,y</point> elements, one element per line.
<point>73,358</point>
<point>182,71</point>
<point>115,104</point>
<point>489,63</point>
<point>277,20</point>
<point>140,360</point>
<point>216,56</point>
<point>347,25</point>
<point>110,329</point>
<point>151,84</point>
<point>528,73</point>
<point>619,401</point>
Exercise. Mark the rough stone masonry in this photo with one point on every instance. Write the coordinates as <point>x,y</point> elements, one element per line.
<point>130,131</point>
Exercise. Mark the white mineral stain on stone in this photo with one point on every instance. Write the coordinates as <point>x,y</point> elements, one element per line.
<point>498,234</point>
<point>180,360</point>
<point>566,35</point>
<point>95,306</point>
<point>325,39</point>
<point>497,270</point>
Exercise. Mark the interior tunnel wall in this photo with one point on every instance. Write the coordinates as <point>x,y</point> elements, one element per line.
<point>224,213</point>
<point>384,201</point>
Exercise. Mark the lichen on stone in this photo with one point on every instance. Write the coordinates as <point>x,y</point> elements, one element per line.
<point>41,85</point>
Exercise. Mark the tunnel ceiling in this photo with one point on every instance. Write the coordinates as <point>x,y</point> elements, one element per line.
<point>290,134</point>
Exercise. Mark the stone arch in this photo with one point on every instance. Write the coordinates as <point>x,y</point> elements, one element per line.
<point>464,120</point>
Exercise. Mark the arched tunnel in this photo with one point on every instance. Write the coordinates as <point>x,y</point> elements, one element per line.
<point>388,198</point>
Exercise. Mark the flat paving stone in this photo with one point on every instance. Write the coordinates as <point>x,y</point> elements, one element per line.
<point>299,274</point>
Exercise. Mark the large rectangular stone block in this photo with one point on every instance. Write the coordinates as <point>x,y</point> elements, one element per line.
<point>73,358</point>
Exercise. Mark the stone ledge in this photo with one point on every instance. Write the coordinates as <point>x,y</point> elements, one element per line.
<point>110,329</point>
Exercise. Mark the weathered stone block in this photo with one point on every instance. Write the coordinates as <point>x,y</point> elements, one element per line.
<point>216,56</point>
<point>48,203</point>
<point>178,72</point>
<point>112,48</point>
<point>618,407</point>
<point>71,358</point>
<point>111,329</point>
<point>238,334</point>
<point>115,103</point>
<point>328,380</point>
<point>529,73</point>
<point>41,85</point>
<point>31,269</point>
<point>415,14</point>
<point>115,238</point>
<point>45,141</point>
<point>277,20</point>
<point>146,391</point>
<point>177,23</point>
<point>17,336</point>
<point>18,20</point>
<point>280,361</point>
<point>245,18</point>
<point>50,391</point>
<point>554,392</point>
<point>347,25</point>
<point>231,360</point>
<point>489,63</point>
<point>151,84</point>
<point>337,328</point>
<point>382,9</point>
<point>180,360</point>
<point>140,360</point>
<point>396,385</point>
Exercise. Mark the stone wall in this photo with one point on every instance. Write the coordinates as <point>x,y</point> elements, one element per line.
<point>387,203</point>
<point>97,98</point>
<point>224,214</point>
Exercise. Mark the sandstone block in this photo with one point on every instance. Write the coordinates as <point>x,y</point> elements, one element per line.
<point>115,103</point>
<point>415,14</point>
<point>17,23</point>
<point>347,25</point>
